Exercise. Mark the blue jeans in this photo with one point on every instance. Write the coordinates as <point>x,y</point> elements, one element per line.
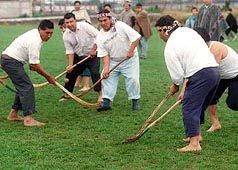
<point>143,46</point>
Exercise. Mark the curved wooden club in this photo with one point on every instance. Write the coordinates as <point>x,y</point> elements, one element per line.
<point>130,140</point>
<point>61,74</point>
<point>3,77</point>
<point>99,80</point>
<point>90,105</point>
<point>5,85</point>
<point>151,116</point>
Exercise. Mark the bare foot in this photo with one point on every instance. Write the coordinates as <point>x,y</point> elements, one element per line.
<point>214,128</point>
<point>190,148</point>
<point>29,121</point>
<point>13,116</point>
<point>188,139</point>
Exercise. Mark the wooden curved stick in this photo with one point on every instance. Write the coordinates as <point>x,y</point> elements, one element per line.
<point>130,140</point>
<point>3,77</point>
<point>5,85</point>
<point>99,80</point>
<point>151,116</point>
<point>61,74</point>
<point>90,105</point>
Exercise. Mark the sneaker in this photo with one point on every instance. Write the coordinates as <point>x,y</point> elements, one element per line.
<point>63,98</point>
<point>135,104</point>
<point>105,105</point>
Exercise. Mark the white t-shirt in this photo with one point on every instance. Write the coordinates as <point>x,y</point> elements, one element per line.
<point>186,53</point>
<point>81,41</point>
<point>26,47</point>
<point>116,42</point>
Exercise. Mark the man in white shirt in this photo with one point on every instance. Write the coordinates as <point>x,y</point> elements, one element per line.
<point>26,50</point>
<point>195,69</point>
<point>227,59</point>
<point>115,41</point>
<point>79,40</point>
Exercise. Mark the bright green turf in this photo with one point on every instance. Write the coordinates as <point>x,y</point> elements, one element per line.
<point>78,138</point>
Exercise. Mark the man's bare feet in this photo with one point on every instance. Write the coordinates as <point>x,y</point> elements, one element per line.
<point>190,148</point>
<point>194,145</point>
<point>29,121</point>
<point>13,116</point>
<point>214,128</point>
<point>188,139</point>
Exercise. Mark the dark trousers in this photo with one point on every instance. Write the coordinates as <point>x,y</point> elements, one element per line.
<point>232,97</point>
<point>25,96</point>
<point>92,64</point>
<point>199,91</point>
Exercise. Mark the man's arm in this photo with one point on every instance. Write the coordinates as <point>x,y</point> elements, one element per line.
<point>132,48</point>
<point>39,69</point>
<point>106,66</point>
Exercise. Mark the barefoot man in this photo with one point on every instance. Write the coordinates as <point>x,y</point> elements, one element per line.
<point>227,59</point>
<point>26,49</point>
<point>195,69</point>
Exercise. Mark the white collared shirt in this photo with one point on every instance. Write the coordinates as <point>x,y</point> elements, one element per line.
<point>81,41</point>
<point>186,53</point>
<point>26,47</point>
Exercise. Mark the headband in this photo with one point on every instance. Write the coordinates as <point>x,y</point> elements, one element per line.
<point>105,15</point>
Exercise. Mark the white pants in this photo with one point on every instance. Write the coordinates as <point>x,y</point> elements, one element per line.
<point>130,70</point>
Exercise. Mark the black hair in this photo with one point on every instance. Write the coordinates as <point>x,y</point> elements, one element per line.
<point>104,11</point>
<point>46,24</point>
<point>69,15</point>
<point>203,33</point>
<point>138,5</point>
<point>107,5</point>
<point>76,2</point>
<point>193,7</point>
<point>165,20</point>
<point>61,22</point>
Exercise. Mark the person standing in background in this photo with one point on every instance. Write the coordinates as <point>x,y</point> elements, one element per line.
<point>211,18</point>
<point>142,26</point>
<point>128,15</point>
<point>191,19</point>
<point>231,21</point>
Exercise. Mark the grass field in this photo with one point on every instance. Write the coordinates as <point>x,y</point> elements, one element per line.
<point>79,138</point>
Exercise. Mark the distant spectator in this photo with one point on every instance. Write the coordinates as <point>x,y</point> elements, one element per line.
<point>211,18</point>
<point>80,14</point>
<point>191,19</point>
<point>142,26</point>
<point>109,8</point>
<point>128,15</point>
<point>231,21</point>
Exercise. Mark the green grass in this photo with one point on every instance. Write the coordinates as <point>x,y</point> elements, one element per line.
<point>78,138</point>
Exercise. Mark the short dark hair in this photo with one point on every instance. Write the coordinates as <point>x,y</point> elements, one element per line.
<point>193,7</point>
<point>77,2</point>
<point>69,15</point>
<point>165,20</point>
<point>61,22</point>
<point>203,33</point>
<point>107,5</point>
<point>138,5</point>
<point>46,24</point>
<point>104,11</point>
